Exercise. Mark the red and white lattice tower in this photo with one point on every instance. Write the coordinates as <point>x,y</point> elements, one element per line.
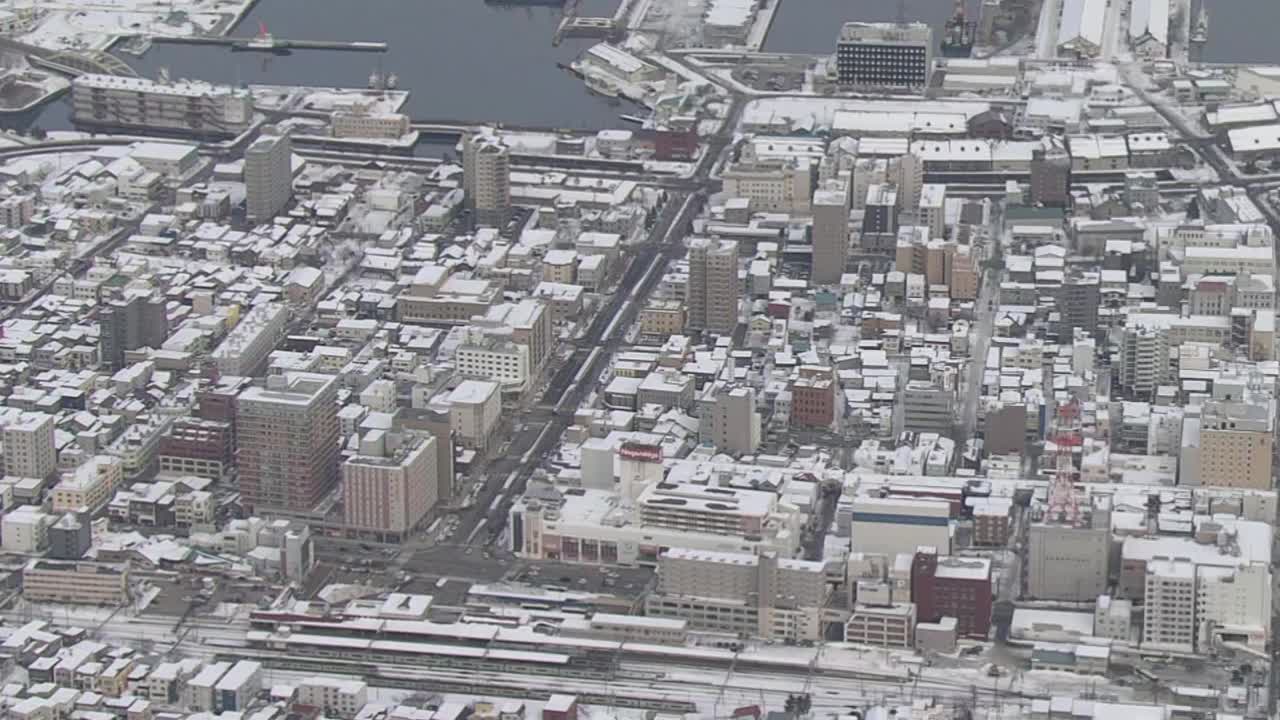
<point>1066,437</point>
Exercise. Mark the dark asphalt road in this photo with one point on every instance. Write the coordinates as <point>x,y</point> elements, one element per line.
<point>665,240</point>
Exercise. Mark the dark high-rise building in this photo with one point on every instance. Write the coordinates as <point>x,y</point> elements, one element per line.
<point>204,448</point>
<point>287,442</point>
<point>268,175</point>
<point>1050,178</point>
<point>881,215</point>
<point>1078,300</point>
<point>69,537</point>
<point>134,322</point>
<point>885,55</point>
<point>958,587</point>
<point>714,288</point>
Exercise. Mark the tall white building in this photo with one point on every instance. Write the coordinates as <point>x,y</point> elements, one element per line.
<point>933,210</point>
<point>729,419</point>
<point>29,450</point>
<point>486,178</point>
<point>268,175</point>
<point>475,407</point>
<point>907,174</point>
<point>1169,616</point>
<point>494,356</point>
<point>1233,604</point>
<point>714,288</point>
<point>1144,359</point>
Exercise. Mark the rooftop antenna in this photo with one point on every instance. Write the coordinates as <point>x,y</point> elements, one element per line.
<point>902,13</point>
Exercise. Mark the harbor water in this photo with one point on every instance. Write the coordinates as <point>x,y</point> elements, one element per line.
<point>1242,31</point>
<point>480,61</point>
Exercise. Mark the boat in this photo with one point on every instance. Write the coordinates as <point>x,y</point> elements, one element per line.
<point>137,46</point>
<point>264,41</point>
<point>1200,29</point>
<point>958,34</point>
<point>601,87</point>
<point>379,80</point>
<point>632,119</point>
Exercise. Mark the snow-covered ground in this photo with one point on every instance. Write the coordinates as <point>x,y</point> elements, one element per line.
<point>75,26</point>
<point>283,97</point>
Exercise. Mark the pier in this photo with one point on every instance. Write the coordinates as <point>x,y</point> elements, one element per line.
<point>590,27</point>
<point>272,44</point>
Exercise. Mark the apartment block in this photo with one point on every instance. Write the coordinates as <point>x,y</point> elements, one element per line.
<point>188,106</point>
<point>268,175</point>
<point>288,441</point>
<point>714,288</point>
<point>139,321</point>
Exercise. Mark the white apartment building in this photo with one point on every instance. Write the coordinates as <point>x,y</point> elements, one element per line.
<point>1169,615</point>
<point>335,697</point>
<point>90,485</point>
<point>1233,604</point>
<point>252,339</point>
<point>475,407</point>
<point>892,625</point>
<point>189,106</point>
<point>933,209</point>
<point>1113,618</point>
<point>729,419</point>
<point>490,357</point>
<point>1144,359</point>
<point>198,694</point>
<point>25,529</point>
<point>29,450</point>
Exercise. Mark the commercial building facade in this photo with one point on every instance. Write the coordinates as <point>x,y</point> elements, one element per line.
<point>884,55</point>
<point>756,595</point>
<point>390,486</point>
<point>75,582</point>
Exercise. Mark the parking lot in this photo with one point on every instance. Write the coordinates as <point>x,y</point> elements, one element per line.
<point>623,582</point>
